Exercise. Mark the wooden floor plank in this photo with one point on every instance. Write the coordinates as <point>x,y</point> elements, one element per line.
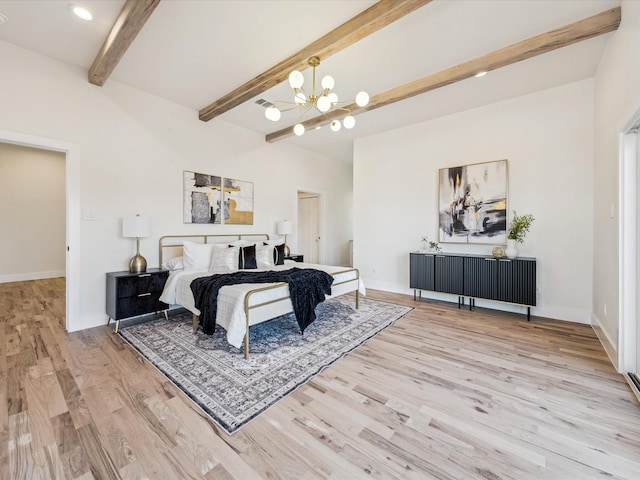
<point>444,393</point>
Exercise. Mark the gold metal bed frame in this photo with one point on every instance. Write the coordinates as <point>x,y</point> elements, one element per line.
<point>163,245</point>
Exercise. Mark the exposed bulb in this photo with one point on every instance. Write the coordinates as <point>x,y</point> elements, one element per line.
<point>323,104</point>
<point>296,79</point>
<point>333,98</point>
<point>272,113</point>
<point>328,82</point>
<point>362,99</point>
<point>298,129</point>
<point>336,125</point>
<point>349,122</point>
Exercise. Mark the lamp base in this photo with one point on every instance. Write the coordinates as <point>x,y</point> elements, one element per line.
<point>287,251</point>
<point>138,264</point>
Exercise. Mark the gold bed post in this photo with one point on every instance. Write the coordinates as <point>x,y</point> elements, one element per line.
<point>246,333</point>
<point>194,319</point>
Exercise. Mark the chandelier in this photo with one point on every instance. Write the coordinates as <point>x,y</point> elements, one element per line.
<point>324,101</point>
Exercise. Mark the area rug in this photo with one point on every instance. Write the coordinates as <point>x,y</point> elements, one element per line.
<point>232,390</point>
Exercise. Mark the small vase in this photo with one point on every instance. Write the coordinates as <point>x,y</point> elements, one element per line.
<point>511,251</point>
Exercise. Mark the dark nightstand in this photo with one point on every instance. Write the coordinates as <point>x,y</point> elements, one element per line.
<point>133,294</point>
<point>295,257</point>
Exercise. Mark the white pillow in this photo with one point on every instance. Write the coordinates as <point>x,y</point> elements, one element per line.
<point>175,263</point>
<point>224,260</point>
<point>196,255</point>
<point>241,243</point>
<point>264,256</point>
<point>279,241</point>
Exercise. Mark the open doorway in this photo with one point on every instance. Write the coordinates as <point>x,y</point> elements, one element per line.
<point>71,215</point>
<point>629,260</point>
<point>309,227</point>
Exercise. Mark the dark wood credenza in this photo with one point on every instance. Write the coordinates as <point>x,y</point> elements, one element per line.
<point>475,276</point>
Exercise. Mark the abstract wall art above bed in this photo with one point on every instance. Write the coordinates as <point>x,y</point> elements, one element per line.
<point>472,203</point>
<point>217,200</point>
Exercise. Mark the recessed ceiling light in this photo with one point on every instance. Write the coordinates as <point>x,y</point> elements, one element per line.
<point>81,12</point>
<point>480,74</point>
<point>3,19</point>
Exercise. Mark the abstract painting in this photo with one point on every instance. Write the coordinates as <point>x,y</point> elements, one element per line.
<point>472,203</point>
<point>202,198</point>
<point>238,202</point>
<point>213,199</point>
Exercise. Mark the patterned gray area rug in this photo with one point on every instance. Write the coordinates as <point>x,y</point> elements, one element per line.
<point>232,390</point>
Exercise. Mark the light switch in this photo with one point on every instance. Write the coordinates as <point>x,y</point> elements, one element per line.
<point>613,210</point>
<point>90,214</point>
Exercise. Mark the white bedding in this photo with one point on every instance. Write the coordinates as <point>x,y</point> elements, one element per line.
<point>230,311</point>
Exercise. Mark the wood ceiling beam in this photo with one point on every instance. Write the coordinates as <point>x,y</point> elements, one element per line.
<point>599,24</point>
<point>132,18</point>
<point>369,21</point>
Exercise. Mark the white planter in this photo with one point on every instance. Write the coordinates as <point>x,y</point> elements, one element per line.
<point>512,250</point>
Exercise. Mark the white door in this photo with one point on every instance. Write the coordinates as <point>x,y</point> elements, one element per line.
<point>309,227</point>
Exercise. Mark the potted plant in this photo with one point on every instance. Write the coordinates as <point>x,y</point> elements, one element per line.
<point>518,230</point>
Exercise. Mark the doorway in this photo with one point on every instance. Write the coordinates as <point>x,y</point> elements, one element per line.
<point>309,239</point>
<point>72,215</point>
<point>629,260</point>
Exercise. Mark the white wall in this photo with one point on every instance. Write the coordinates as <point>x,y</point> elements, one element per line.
<point>546,138</point>
<point>133,148</point>
<point>617,99</point>
<point>32,209</point>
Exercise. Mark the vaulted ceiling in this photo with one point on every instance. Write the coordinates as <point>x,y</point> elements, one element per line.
<point>416,59</point>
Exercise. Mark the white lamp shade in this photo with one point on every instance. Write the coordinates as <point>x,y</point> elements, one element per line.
<point>298,129</point>
<point>136,227</point>
<point>296,79</point>
<point>285,227</point>
<point>362,99</point>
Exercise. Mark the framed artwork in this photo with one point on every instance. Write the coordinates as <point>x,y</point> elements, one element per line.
<point>217,200</point>
<point>202,198</point>
<point>472,203</point>
<point>238,202</point>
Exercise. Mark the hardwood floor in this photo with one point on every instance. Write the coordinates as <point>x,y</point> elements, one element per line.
<point>442,394</point>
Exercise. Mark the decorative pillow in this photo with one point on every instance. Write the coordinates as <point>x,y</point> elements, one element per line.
<point>278,254</point>
<point>265,256</point>
<point>241,243</point>
<point>196,255</point>
<point>279,241</point>
<point>224,260</point>
<point>247,257</point>
<point>175,263</point>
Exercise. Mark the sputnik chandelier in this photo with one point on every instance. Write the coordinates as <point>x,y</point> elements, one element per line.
<point>324,101</point>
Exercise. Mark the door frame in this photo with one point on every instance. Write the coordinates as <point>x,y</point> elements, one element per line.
<point>72,206</point>
<point>320,196</point>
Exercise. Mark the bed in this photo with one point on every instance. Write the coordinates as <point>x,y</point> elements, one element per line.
<point>239,306</point>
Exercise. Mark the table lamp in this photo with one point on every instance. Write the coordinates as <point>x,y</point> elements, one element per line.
<point>285,227</point>
<point>137,227</point>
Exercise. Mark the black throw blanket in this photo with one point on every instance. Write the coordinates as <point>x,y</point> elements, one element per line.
<point>307,288</point>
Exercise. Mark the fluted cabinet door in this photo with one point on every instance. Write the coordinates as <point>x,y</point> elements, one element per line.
<point>421,271</point>
<point>481,277</point>
<point>517,281</point>
<point>449,275</point>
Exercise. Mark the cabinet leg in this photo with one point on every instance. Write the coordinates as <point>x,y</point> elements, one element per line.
<point>166,316</point>
<point>117,325</point>
<point>528,314</point>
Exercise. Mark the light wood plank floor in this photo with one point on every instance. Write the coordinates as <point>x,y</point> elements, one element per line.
<point>443,394</point>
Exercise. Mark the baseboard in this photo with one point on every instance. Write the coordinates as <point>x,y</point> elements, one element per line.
<point>547,311</point>
<point>23,277</point>
<point>607,342</point>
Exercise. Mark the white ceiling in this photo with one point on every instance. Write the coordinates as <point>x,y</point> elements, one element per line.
<point>192,52</point>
